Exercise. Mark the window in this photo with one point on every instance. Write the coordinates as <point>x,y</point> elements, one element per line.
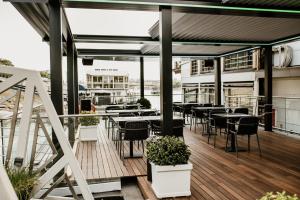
<point>242,60</point>
<point>94,79</point>
<point>207,66</point>
<point>194,67</point>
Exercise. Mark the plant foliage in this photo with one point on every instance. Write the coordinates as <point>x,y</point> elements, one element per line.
<point>144,103</point>
<point>279,196</point>
<point>167,150</point>
<point>23,181</point>
<point>6,62</point>
<point>89,120</point>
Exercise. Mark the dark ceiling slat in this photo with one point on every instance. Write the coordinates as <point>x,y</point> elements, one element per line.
<point>208,7</point>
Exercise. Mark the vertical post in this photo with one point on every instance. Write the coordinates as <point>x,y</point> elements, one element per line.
<point>142,77</point>
<point>56,59</point>
<point>165,33</point>
<point>217,81</point>
<point>76,98</point>
<point>268,67</point>
<point>70,85</point>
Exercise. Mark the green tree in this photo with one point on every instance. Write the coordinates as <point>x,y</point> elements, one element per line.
<point>45,74</point>
<point>6,62</point>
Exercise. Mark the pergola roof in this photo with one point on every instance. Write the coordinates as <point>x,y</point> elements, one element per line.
<point>200,28</point>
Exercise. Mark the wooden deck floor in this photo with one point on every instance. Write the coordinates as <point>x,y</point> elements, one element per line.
<point>216,173</point>
<point>100,160</point>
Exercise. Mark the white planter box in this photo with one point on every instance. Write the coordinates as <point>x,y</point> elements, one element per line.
<point>171,181</point>
<point>88,133</point>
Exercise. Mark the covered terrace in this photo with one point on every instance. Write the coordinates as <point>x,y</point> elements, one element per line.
<point>193,30</point>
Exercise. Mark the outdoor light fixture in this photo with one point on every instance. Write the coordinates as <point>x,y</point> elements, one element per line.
<point>87,61</point>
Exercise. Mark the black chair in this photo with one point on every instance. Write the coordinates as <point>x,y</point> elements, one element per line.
<point>149,113</point>
<point>177,108</point>
<point>245,126</point>
<point>208,105</point>
<point>134,131</point>
<point>187,111</point>
<point>131,107</point>
<point>216,123</point>
<point>109,125</point>
<point>196,116</point>
<point>178,125</point>
<point>241,110</point>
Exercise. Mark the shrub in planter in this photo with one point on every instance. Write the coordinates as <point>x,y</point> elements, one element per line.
<point>279,196</point>
<point>170,168</point>
<point>144,103</point>
<point>23,181</point>
<point>88,127</point>
<point>88,120</point>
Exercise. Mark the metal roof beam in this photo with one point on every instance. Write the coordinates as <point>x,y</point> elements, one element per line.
<point>204,7</point>
<point>90,53</point>
<point>149,40</point>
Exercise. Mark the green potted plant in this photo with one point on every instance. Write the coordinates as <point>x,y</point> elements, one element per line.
<point>88,127</point>
<point>145,103</point>
<point>169,157</point>
<point>279,196</point>
<point>22,181</point>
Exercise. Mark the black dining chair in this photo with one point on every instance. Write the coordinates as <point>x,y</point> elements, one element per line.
<point>134,131</point>
<point>178,125</point>
<point>241,110</point>
<point>216,123</point>
<point>109,119</point>
<point>197,117</point>
<point>245,126</point>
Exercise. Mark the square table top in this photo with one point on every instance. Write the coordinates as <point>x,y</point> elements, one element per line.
<point>140,118</point>
<point>131,111</point>
<point>231,115</point>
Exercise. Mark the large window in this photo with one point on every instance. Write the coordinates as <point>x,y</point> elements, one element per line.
<point>194,67</point>
<point>238,61</point>
<point>207,66</point>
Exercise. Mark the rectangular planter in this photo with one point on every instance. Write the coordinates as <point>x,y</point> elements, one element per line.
<point>171,181</point>
<point>88,133</point>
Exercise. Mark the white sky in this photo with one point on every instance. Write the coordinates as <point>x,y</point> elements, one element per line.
<point>21,44</point>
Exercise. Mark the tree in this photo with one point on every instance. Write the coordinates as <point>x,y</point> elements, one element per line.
<point>6,62</point>
<point>45,74</point>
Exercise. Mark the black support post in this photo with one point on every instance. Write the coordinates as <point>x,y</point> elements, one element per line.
<point>165,33</point>
<point>268,67</point>
<point>56,82</point>
<point>218,81</point>
<point>76,88</point>
<point>142,81</point>
<point>70,85</point>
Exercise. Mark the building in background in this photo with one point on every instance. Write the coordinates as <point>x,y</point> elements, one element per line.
<point>243,82</point>
<point>106,86</point>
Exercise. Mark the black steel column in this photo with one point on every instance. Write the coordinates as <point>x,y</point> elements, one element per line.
<point>165,37</point>
<point>142,87</point>
<point>56,79</point>
<point>268,67</point>
<point>76,88</point>
<point>70,85</point>
<point>218,81</point>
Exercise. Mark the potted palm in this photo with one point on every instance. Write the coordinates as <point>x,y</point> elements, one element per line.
<point>171,171</point>
<point>88,127</point>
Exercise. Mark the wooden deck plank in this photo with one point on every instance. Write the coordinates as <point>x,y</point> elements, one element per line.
<point>216,173</point>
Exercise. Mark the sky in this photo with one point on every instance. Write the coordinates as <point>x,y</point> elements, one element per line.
<point>21,44</point>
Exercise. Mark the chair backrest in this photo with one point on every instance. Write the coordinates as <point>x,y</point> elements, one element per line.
<point>241,110</point>
<point>113,108</point>
<point>207,105</point>
<point>136,130</point>
<point>178,125</point>
<point>150,113</point>
<point>131,107</point>
<point>218,121</point>
<point>247,126</point>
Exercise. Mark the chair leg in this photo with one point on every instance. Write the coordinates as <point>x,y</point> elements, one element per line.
<point>143,146</point>
<point>215,140</point>
<point>236,146</point>
<point>258,145</point>
<point>249,143</point>
<point>226,141</point>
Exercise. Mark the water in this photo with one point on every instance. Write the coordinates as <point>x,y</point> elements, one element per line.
<point>155,99</point>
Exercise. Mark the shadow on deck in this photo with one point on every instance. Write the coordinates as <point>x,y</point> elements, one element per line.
<point>216,174</point>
